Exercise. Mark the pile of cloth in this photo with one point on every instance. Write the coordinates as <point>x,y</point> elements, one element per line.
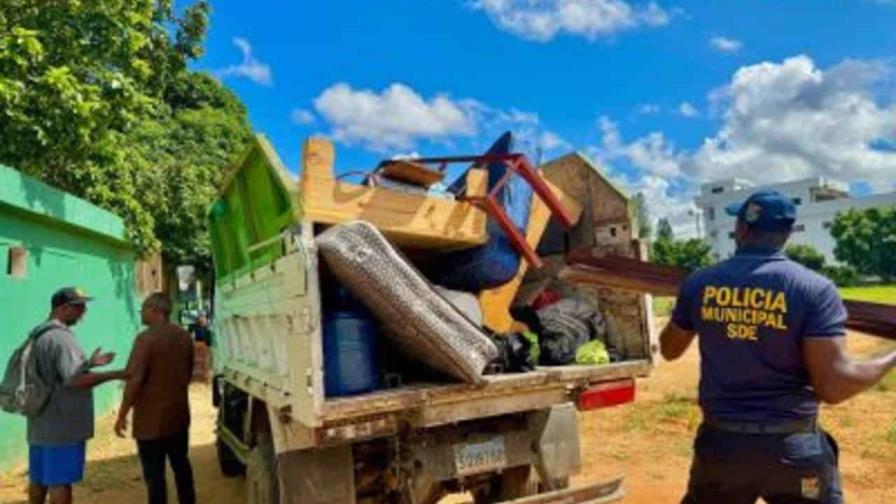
<point>570,326</point>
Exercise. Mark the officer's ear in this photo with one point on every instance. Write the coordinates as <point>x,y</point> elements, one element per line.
<point>741,232</point>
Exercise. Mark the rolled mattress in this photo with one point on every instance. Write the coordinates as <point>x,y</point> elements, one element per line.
<point>421,323</point>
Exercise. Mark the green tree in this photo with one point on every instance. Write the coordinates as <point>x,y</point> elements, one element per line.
<point>96,99</point>
<point>806,255</point>
<point>641,216</point>
<point>866,240</point>
<point>664,230</point>
<point>182,156</point>
<point>688,254</point>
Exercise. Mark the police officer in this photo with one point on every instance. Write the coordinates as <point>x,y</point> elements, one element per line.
<point>772,345</point>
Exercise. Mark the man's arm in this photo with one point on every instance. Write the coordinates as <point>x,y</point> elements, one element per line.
<point>835,375</point>
<point>137,366</point>
<point>680,331</point>
<point>75,371</point>
<point>88,380</point>
<point>674,341</point>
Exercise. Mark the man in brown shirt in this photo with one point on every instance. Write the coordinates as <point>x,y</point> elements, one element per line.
<point>159,372</point>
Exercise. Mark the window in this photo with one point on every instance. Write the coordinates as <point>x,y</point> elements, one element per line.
<point>613,231</point>
<point>718,190</point>
<point>797,201</point>
<point>713,234</point>
<point>799,228</point>
<point>17,262</point>
<point>731,235</point>
<point>827,225</point>
<point>711,213</point>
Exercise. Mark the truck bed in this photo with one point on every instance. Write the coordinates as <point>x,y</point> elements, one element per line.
<point>430,404</point>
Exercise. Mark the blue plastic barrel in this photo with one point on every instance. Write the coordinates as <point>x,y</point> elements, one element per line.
<point>351,365</point>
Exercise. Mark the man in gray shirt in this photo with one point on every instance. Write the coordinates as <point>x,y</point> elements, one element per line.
<point>58,434</point>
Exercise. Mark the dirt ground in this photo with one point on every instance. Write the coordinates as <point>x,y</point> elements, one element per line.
<point>648,441</point>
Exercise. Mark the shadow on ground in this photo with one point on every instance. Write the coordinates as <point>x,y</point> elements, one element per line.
<point>118,480</point>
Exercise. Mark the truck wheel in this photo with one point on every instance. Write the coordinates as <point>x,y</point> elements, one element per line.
<point>227,460</point>
<point>261,472</point>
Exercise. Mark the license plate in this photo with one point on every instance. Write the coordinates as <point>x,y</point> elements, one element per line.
<point>473,458</point>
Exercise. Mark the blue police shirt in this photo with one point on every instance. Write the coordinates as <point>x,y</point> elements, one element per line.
<point>751,313</point>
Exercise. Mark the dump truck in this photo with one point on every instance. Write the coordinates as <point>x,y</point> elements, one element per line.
<point>513,437</point>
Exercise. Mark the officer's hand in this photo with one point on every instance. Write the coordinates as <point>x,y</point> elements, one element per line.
<point>121,426</point>
<point>101,359</point>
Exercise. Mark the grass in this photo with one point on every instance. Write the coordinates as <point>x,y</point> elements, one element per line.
<point>663,305</point>
<point>888,382</point>
<point>876,293</point>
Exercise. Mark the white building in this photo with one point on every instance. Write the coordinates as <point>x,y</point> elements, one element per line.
<point>818,201</point>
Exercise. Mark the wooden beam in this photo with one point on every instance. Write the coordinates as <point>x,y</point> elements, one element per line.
<point>629,274</point>
<point>495,303</point>
<point>412,220</point>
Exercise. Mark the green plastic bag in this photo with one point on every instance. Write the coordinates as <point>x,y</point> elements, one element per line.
<point>534,350</point>
<point>593,352</point>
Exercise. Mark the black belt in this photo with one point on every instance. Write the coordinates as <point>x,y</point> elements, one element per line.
<point>786,427</point>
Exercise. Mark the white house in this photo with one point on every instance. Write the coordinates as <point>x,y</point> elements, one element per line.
<point>818,201</point>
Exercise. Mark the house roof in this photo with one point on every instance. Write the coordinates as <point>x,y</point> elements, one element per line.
<point>596,169</point>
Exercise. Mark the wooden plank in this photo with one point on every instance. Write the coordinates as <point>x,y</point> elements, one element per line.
<point>495,303</point>
<point>630,274</point>
<point>318,158</point>
<point>871,318</point>
<point>410,173</point>
<point>602,372</point>
<point>406,219</point>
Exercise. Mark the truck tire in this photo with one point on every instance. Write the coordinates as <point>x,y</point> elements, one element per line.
<point>262,486</point>
<point>228,461</point>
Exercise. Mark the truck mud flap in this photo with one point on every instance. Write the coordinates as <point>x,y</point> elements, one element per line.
<point>599,493</point>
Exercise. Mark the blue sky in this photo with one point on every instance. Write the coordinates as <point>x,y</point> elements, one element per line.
<point>666,94</point>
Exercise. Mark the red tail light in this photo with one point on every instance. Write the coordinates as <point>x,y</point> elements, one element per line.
<point>604,395</point>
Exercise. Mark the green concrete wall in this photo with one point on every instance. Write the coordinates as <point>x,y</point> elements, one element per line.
<point>69,242</point>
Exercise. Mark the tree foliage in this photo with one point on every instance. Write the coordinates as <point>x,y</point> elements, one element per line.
<point>807,255</point>
<point>664,230</point>
<point>866,240</point>
<point>688,254</point>
<point>97,100</point>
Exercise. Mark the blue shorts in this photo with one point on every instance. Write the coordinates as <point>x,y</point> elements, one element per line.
<point>56,465</point>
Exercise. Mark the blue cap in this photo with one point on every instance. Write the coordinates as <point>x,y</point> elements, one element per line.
<point>766,210</point>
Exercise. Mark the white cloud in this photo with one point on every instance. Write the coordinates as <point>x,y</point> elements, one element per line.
<point>688,110</point>
<point>302,116</point>
<point>784,121</point>
<point>552,141</point>
<point>652,153</point>
<point>406,155</point>
<point>725,44</point>
<point>648,109</point>
<point>250,68</point>
<point>657,168</point>
<point>393,118</point>
<point>542,20</point>
<point>664,203</point>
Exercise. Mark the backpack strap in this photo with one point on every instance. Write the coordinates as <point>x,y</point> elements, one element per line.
<point>40,333</point>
